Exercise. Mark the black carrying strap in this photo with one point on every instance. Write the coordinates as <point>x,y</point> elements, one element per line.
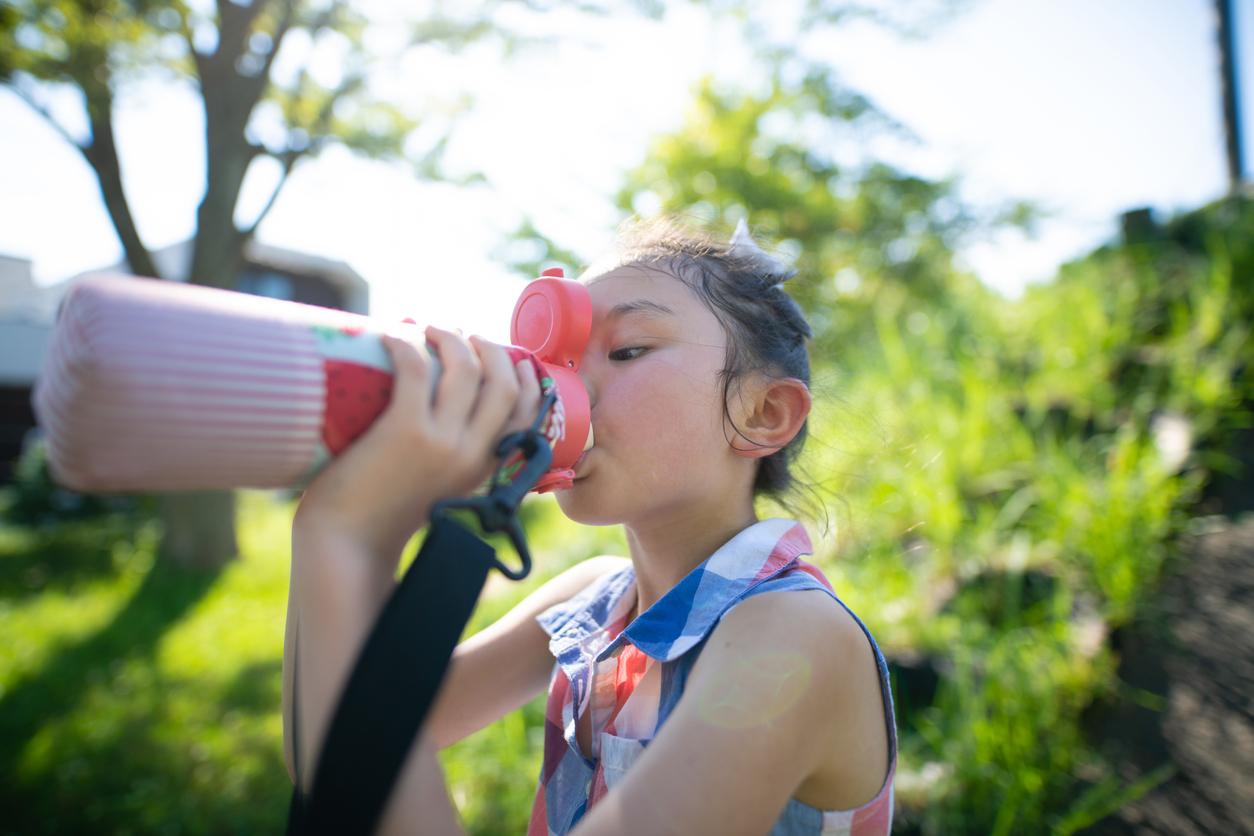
<point>393,684</point>
<point>399,669</point>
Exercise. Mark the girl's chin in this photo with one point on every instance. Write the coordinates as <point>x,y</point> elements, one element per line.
<point>579,505</point>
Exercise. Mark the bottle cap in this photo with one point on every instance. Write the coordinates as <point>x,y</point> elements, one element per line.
<point>553,318</point>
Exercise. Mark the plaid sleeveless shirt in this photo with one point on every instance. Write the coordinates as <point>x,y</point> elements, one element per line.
<point>631,675</point>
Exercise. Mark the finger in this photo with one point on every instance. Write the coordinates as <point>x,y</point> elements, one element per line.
<point>527,407</point>
<point>460,377</point>
<point>411,386</point>
<point>498,394</point>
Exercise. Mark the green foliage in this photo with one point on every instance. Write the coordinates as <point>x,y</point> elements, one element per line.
<point>528,251</point>
<point>1030,447</point>
<point>853,227</point>
<point>1156,327</point>
<point>1007,727</point>
<point>971,445</point>
<point>88,44</point>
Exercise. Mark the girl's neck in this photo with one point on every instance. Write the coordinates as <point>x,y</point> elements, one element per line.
<point>664,551</point>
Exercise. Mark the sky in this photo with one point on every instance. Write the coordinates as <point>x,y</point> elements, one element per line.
<point>1088,107</point>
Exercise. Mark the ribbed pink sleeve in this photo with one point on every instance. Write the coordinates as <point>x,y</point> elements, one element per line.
<point>153,385</point>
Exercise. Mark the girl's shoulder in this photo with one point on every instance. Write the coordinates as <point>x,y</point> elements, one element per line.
<point>798,657</point>
<point>835,617</point>
<point>802,576</point>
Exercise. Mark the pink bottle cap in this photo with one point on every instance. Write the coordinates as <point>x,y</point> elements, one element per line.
<point>553,318</point>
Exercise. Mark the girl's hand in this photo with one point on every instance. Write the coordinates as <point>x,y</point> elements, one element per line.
<point>423,447</point>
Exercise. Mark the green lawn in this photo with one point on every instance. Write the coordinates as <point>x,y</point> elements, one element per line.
<point>137,697</point>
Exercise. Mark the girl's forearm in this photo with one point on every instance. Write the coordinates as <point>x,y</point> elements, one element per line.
<point>337,589</point>
<point>420,805</point>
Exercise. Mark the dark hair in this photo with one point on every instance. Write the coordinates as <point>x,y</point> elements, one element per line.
<point>741,285</point>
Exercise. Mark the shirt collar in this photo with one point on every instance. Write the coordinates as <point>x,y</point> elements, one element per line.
<point>681,618</point>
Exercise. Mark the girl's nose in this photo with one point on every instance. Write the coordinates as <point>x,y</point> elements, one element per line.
<point>589,385</point>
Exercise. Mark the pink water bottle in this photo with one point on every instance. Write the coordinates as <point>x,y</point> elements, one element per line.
<point>151,385</point>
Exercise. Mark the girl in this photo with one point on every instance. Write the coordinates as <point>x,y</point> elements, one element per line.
<point>710,684</point>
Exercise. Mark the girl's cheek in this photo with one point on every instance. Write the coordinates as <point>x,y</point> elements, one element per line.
<point>629,404</point>
<point>626,388</point>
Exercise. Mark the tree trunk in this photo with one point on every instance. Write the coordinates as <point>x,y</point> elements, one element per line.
<point>199,528</point>
<point>219,247</point>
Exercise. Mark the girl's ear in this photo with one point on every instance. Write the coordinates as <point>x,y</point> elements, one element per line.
<point>775,410</point>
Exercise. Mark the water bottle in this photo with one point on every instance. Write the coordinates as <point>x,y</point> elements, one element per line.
<point>152,385</point>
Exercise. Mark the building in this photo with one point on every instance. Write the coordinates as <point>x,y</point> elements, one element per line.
<point>28,311</point>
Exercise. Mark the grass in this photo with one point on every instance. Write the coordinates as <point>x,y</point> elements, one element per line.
<point>139,697</point>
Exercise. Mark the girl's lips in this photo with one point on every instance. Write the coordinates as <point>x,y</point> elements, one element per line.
<point>579,462</point>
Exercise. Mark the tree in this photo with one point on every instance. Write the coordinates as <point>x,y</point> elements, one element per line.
<point>862,233</point>
<point>787,152</point>
<point>227,53</point>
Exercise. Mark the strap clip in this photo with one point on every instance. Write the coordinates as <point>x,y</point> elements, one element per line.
<point>497,510</point>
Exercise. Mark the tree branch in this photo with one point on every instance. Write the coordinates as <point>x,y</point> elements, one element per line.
<point>288,160</point>
<point>280,31</point>
<point>102,155</point>
<point>34,105</point>
<point>189,37</point>
<point>234,23</point>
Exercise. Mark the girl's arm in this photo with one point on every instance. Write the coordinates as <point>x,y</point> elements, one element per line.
<point>337,591</point>
<point>347,601</point>
<point>358,514</point>
<point>420,805</point>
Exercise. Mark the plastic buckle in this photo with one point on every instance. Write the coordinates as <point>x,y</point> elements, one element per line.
<point>497,510</point>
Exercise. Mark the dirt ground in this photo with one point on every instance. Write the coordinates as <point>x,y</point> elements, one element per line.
<point>1189,667</point>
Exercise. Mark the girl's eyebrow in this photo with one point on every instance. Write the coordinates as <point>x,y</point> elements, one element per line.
<point>639,306</point>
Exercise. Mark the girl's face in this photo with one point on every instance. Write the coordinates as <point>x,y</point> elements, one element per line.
<point>652,372</point>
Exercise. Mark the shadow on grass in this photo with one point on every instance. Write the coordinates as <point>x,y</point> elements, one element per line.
<point>149,756</point>
<point>256,688</point>
<point>165,595</point>
<point>150,773</point>
<point>63,557</point>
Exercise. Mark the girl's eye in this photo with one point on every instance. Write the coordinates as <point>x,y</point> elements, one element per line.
<point>629,353</point>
